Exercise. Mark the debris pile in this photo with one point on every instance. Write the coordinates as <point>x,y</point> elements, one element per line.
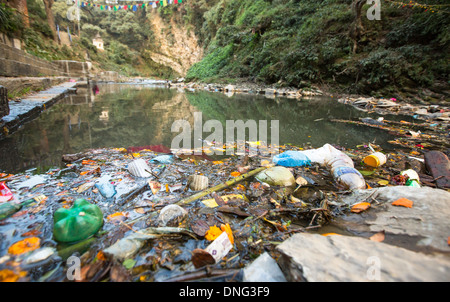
<point>145,216</point>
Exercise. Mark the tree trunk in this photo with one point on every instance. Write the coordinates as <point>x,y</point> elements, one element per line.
<point>50,18</point>
<point>22,8</point>
<point>357,29</point>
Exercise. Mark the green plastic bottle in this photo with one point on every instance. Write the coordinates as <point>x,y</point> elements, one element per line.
<point>9,208</point>
<point>79,222</point>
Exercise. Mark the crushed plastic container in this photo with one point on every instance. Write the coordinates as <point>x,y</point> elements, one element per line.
<point>5,193</point>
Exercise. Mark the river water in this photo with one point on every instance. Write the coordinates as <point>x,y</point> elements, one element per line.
<point>124,115</point>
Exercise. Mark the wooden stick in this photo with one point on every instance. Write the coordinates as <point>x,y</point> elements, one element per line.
<point>221,186</point>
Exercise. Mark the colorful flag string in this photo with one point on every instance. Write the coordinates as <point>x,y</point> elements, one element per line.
<point>133,7</point>
<point>434,8</point>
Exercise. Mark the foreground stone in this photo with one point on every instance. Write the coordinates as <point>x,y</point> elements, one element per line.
<point>427,220</point>
<point>312,257</point>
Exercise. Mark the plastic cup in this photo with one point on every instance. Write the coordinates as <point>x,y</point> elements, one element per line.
<point>375,159</point>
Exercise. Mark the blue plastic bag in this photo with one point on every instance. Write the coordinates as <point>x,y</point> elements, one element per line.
<point>292,159</point>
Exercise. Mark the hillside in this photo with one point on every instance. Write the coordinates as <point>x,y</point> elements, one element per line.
<point>295,43</point>
<point>286,43</point>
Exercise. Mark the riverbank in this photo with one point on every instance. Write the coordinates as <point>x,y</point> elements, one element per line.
<point>26,108</point>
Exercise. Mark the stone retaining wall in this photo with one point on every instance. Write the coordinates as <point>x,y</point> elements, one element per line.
<point>4,105</point>
<point>16,63</point>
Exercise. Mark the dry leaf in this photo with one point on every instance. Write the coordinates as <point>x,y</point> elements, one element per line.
<point>101,256</point>
<point>118,273</point>
<point>403,202</point>
<point>140,210</point>
<point>379,237</point>
<point>359,207</point>
<point>25,245</point>
<point>114,215</point>
<point>383,182</point>
<point>201,258</point>
<point>31,233</point>
<point>331,234</point>
<point>7,275</point>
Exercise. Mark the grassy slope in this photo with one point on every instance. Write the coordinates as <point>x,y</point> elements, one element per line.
<point>297,42</point>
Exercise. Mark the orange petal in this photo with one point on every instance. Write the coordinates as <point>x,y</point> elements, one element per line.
<point>359,207</point>
<point>403,202</point>
<point>213,233</point>
<point>235,174</point>
<point>226,228</point>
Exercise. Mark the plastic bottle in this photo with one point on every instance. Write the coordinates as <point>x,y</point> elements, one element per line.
<point>79,222</point>
<point>375,159</point>
<point>339,163</point>
<point>9,208</point>
<point>349,177</point>
<point>413,180</point>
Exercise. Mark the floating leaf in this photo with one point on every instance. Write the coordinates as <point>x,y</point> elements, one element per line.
<point>129,263</point>
<point>25,245</point>
<point>383,182</point>
<point>114,215</point>
<point>201,258</point>
<point>154,186</point>
<point>403,202</point>
<point>7,275</point>
<point>379,237</point>
<point>101,256</point>
<point>359,207</point>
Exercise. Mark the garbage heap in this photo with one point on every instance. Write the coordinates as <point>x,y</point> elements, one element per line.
<point>139,215</point>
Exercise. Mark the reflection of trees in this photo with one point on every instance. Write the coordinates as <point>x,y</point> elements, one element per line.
<point>296,118</point>
<point>139,116</point>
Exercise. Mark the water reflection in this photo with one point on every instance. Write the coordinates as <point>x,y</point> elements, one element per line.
<point>113,115</point>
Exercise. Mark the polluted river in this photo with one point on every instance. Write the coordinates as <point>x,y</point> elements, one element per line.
<point>95,181</point>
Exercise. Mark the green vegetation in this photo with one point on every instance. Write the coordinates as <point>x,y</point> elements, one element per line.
<point>294,43</point>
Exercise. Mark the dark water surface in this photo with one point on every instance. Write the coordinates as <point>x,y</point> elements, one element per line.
<point>123,115</point>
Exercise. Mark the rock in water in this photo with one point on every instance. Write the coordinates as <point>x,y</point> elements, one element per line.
<point>438,165</point>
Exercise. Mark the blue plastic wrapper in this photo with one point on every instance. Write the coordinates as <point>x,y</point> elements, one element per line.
<point>106,189</point>
<point>292,159</point>
<point>163,159</point>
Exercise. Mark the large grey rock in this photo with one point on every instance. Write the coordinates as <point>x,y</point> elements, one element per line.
<point>313,257</point>
<point>427,219</point>
<point>263,269</point>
